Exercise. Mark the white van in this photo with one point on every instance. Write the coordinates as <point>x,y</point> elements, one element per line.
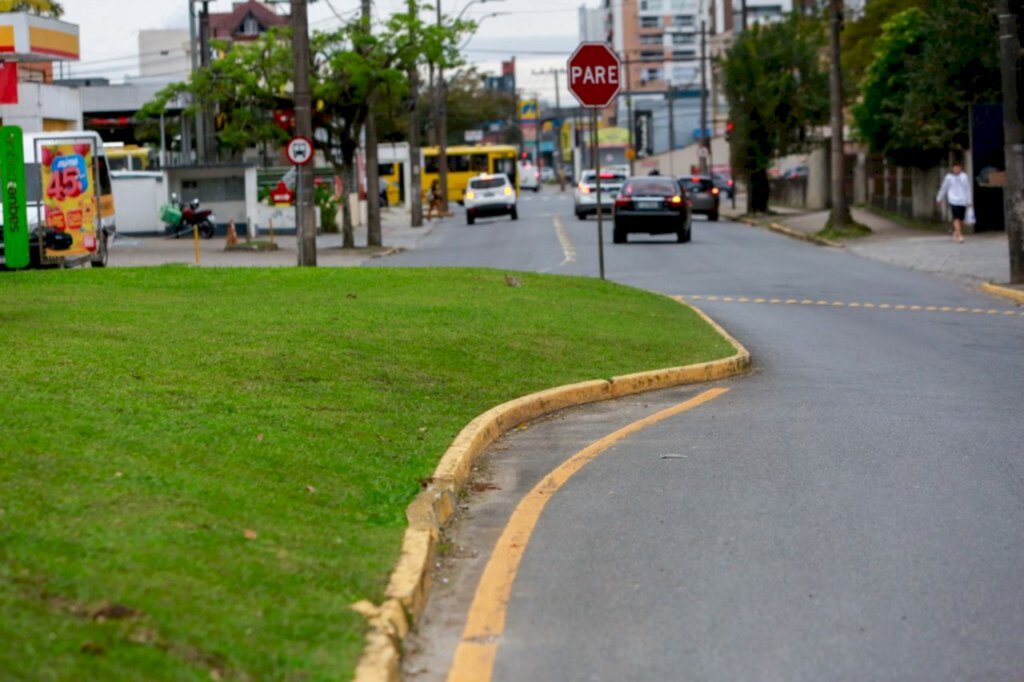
<point>56,237</point>
<point>529,175</point>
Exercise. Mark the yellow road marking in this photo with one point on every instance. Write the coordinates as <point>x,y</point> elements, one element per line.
<point>474,657</point>
<point>568,249</point>
<point>1012,312</point>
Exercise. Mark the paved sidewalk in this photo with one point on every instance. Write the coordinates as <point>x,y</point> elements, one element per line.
<point>130,251</point>
<point>981,258</point>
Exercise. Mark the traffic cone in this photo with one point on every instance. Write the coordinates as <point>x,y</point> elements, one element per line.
<point>232,235</point>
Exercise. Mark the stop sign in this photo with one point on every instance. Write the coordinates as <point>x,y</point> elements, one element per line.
<point>595,74</point>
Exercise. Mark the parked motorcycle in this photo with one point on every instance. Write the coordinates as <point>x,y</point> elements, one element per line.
<point>182,219</point>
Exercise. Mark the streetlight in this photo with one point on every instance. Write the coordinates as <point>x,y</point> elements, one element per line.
<point>441,111</point>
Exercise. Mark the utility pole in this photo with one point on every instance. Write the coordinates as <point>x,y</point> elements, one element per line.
<point>305,216</point>
<point>705,141</point>
<point>671,120</point>
<point>840,211</point>
<point>415,179</point>
<point>743,15</point>
<point>373,232</point>
<point>194,50</point>
<point>631,125</point>
<point>1013,191</point>
<point>558,128</point>
<point>209,133</point>
<point>441,128</point>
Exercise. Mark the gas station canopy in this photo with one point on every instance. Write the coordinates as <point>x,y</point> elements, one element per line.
<point>30,38</point>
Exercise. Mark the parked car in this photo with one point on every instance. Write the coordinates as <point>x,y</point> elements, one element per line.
<point>799,171</point>
<point>725,184</point>
<point>489,195</point>
<point>651,204</point>
<point>704,196</point>
<point>529,176</point>
<point>586,192</point>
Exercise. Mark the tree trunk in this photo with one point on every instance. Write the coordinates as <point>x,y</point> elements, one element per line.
<point>348,172</point>
<point>1013,192</point>
<point>840,209</point>
<point>757,192</point>
<point>373,228</point>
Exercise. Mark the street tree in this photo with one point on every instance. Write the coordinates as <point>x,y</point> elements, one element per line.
<point>778,91</point>
<point>243,86</point>
<point>46,8</point>
<point>860,36</point>
<point>929,67</point>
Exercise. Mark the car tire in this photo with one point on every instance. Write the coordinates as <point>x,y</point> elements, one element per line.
<point>514,213</point>
<point>103,252</point>
<point>470,218</point>
<point>580,215</point>
<point>619,235</point>
<point>713,216</point>
<point>683,236</point>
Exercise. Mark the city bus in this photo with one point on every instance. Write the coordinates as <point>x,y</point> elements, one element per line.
<point>122,157</point>
<point>465,162</point>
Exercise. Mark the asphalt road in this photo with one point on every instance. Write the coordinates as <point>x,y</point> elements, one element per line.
<point>853,510</point>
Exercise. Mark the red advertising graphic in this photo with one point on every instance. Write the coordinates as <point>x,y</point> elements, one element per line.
<point>8,82</point>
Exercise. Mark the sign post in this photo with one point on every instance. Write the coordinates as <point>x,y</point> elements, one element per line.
<point>299,152</point>
<point>12,182</point>
<point>595,77</point>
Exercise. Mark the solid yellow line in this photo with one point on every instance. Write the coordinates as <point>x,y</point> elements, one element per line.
<point>474,657</point>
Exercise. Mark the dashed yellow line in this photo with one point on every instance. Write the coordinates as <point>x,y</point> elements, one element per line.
<point>858,304</point>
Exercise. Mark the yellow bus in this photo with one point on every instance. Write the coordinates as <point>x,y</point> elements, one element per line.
<point>127,157</point>
<point>465,162</point>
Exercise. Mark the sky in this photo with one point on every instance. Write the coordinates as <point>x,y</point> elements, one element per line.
<point>541,34</point>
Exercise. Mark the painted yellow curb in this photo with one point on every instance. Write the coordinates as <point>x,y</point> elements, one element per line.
<point>1005,292</point>
<point>409,584</point>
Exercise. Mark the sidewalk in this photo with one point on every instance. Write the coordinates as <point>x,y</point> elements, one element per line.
<point>396,232</point>
<point>981,258</point>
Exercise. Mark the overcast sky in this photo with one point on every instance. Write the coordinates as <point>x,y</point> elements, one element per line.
<point>540,33</point>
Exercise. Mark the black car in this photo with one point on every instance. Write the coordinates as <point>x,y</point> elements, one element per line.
<point>704,196</point>
<point>651,205</point>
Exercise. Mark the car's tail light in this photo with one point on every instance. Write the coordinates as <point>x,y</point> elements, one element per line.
<point>470,194</point>
<point>730,183</point>
<point>584,189</point>
<point>623,202</point>
<point>675,202</point>
<point>714,190</point>
<point>508,191</point>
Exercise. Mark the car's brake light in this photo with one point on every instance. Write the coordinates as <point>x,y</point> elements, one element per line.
<point>675,201</point>
<point>730,183</point>
<point>607,176</point>
<point>714,190</point>
<point>695,179</point>
<point>622,202</point>
<point>470,194</point>
<point>584,189</point>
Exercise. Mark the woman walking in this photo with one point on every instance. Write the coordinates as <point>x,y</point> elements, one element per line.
<point>956,188</point>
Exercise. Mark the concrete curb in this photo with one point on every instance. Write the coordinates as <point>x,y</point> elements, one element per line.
<point>406,594</point>
<point>789,232</point>
<point>1004,292</point>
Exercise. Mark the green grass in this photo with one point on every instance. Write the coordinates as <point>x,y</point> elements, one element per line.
<point>152,417</point>
<point>852,230</point>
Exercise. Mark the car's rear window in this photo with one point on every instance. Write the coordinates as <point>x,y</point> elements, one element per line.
<point>701,184</point>
<point>613,178</point>
<point>651,187</point>
<point>488,183</point>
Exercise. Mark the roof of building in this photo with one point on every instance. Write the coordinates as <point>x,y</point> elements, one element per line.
<point>230,24</point>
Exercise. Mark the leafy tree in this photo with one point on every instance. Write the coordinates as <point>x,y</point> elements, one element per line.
<point>778,90</point>
<point>46,8</point>
<point>859,37</point>
<point>932,67</point>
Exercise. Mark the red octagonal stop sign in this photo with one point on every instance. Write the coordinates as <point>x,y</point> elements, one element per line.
<point>595,74</point>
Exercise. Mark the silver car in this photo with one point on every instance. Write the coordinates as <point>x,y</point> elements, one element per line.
<point>586,192</point>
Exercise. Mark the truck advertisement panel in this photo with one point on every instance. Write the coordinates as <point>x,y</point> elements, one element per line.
<point>69,198</point>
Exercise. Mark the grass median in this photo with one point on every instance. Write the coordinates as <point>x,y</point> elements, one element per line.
<point>202,469</point>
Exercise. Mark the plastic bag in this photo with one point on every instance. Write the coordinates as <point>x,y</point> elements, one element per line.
<point>970,219</point>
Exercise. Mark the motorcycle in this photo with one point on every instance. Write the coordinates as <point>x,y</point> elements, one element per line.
<point>182,219</point>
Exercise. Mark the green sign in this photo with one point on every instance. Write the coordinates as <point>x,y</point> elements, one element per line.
<point>12,184</point>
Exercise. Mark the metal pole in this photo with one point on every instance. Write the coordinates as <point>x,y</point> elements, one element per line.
<point>705,142</point>
<point>305,229</point>
<point>558,133</point>
<point>163,142</point>
<point>632,124</point>
<point>442,130</point>
<point>597,174</point>
<point>1013,191</point>
<point>209,132</point>
<point>194,49</point>
<point>840,211</point>
<point>373,227</point>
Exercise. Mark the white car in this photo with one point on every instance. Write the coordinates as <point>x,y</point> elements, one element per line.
<point>586,192</point>
<point>489,195</point>
<point>529,176</point>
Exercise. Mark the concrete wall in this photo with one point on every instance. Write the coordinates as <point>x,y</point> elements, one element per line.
<point>239,202</point>
<point>680,161</point>
<point>44,107</point>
